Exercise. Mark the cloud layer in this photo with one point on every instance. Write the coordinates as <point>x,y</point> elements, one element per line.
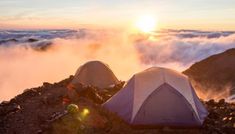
<point>183,47</point>
<point>23,66</point>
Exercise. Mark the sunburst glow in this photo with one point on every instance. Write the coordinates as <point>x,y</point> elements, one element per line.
<point>146,23</point>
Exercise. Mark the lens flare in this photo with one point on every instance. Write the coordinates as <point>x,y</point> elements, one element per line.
<point>86,111</point>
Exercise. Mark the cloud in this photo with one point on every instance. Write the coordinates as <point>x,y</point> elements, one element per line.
<point>173,48</point>
<point>22,67</point>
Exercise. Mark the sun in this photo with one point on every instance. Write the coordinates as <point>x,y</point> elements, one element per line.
<point>146,23</point>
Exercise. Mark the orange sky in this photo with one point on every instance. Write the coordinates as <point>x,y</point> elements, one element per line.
<point>59,14</point>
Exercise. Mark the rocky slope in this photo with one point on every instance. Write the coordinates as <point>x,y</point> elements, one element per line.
<point>43,110</point>
<point>215,73</point>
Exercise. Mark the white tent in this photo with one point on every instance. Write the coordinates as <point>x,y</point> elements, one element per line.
<point>158,96</point>
<point>94,73</point>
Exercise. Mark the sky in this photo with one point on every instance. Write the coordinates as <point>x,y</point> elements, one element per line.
<point>63,14</point>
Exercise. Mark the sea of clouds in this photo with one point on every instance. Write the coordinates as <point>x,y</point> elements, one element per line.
<point>29,58</point>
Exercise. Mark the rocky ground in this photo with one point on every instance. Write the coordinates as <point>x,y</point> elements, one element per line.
<point>43,110</point>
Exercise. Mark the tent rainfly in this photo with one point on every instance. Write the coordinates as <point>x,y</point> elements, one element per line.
<point>158,97</point>
<point>94,73</point>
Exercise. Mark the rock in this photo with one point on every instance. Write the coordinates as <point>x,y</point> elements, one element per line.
<point>44,100</point>
<point>28,93</point>
<point>230,118</point>
<point>50,99</point>
<point>211,102</point>
<point>13,100</point>
<point>39,131</point>
<point>221,102</point>
<point>9,109</point>
<point>4,103</point>
<point>213,114</point>
<point>47,84</point>
<point>225,118</point>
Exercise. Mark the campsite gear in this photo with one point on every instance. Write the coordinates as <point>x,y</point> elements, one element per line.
<point>72,108</point>
<point>96,95</point>
<point>96,74</point>
<point>158,96</point>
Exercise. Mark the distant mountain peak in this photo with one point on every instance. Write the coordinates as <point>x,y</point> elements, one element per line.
<point>215,72</point>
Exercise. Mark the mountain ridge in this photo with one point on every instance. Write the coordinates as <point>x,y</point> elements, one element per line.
<point>215,72</point>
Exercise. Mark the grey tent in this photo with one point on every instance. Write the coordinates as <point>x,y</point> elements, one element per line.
<point>158,96</point>
<point>94,73</point>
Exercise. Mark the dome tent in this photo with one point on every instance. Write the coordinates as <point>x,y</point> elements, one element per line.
<point>94,73</point>
<point>158,96</point>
